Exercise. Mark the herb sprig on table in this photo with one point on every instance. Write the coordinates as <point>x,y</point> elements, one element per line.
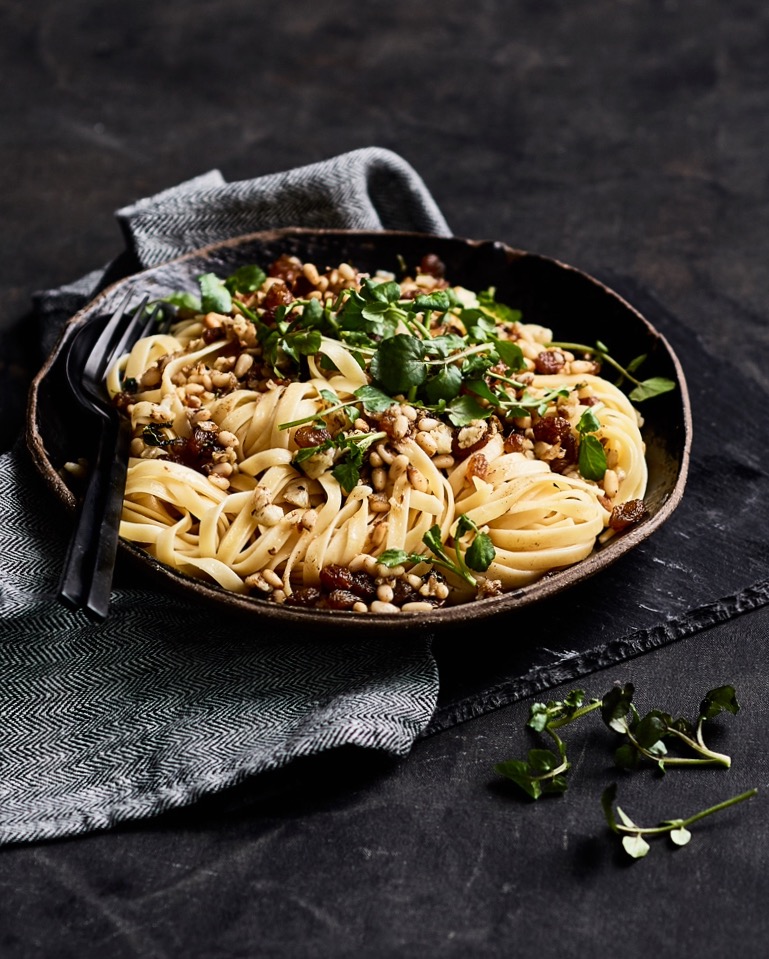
<point>646,737</point>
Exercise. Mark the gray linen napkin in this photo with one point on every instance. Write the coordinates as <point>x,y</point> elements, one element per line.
<point>161,705</point>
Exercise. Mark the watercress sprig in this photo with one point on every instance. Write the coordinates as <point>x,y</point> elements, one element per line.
<point>478,556</point>
<point>633,836</point>
<point>543,772</point>
<point>647,735</point>
<point>644,736</point>
<point>643,389</point>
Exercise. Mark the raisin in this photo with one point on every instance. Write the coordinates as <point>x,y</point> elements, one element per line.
<point>551,429</point>
<point>549,362</point>
<point>626,514</point>
<point>360,584</point>
<point>557,429</point>
<point>341,599</point>
<point>306,597</point>
<point>363,586</point>
<point>286,268</point>
<point>432,265</point>
<point>404,592</point>
<point>277,295</point>
<point>335,577</point>
<point>477,465</point>
<point>515,442</point>
<point>307,436</point>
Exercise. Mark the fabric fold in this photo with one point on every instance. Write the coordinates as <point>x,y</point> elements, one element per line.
<point>163,704</point>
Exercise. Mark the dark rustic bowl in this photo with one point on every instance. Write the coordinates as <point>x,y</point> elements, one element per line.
<point>575,306</point>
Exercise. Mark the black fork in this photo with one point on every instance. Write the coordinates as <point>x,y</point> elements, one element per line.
<point>87,577</point>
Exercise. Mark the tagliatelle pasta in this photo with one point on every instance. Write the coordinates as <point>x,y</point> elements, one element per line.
<point>338,440</point>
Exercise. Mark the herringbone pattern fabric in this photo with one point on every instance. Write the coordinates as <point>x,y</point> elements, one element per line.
<point>160,705</point>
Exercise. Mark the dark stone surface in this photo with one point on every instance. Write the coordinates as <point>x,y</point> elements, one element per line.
<point>628,138</point>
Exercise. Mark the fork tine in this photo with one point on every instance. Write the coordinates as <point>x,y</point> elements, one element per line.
<point>101,352</point>
<point>139,326</point>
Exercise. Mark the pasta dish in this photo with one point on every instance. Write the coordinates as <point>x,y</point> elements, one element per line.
<point>331,439</point>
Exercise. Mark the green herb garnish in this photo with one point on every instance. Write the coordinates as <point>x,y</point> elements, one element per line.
<point>643,389</point>
<point>478,556</point>
<point>633,836</point>
<point>644,736</point>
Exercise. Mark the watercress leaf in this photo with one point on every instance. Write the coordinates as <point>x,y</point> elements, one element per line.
<point>511,354</point>
<point>373,399</point>
<point>633,365</point>
<point>627,756</point>
<point>214,295</point>
<point>357,338</point>
<point>650,730</point>
<point>184,301</point>
<point>556,785</point>
<point>246,279</point>
<point>478,364</point>
<point>717,700</point>
<point>384,292</point>
<point>542,761</point>
<point>444,385</point>
<point>347,473</point>
<point>481,389</point>
<point>432,539</point>
<point>626,820</point>
<point>312,314</point>
<point>398,557</point>
<point>615,706</point>
<point>480,553</point>
<point>518,772</point>
<point>482,330</point>
<point>499,311</point>
<point>635,846</point>
<point>374,311</point>
<point>437,300</point>
<point>539,716</point>
<point>588,422</point>
<point>399,364</point>
<point>591,458</point>
<point>303,342</point>
<point>680,836</point>
<point>443,346</point>
<point>650,388</point>
<point>464,410</point>
<point>464,525</point>
<point>574,699</point>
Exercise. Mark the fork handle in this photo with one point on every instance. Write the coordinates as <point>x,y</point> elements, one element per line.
<point>87,577</point>
<point>97,600</point>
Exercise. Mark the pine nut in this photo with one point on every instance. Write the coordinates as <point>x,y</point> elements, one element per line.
<point>244,363</point>
<point>385,593</point>
<point>379,607</point>
<point>427,423</point>
<point>272,578</point>
<point>311,273</point>
<point>426,443</point>
<point>378,479</point>
<point>610,483</point>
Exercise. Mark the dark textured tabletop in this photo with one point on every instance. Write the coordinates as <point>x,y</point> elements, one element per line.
<point>627,138</point>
